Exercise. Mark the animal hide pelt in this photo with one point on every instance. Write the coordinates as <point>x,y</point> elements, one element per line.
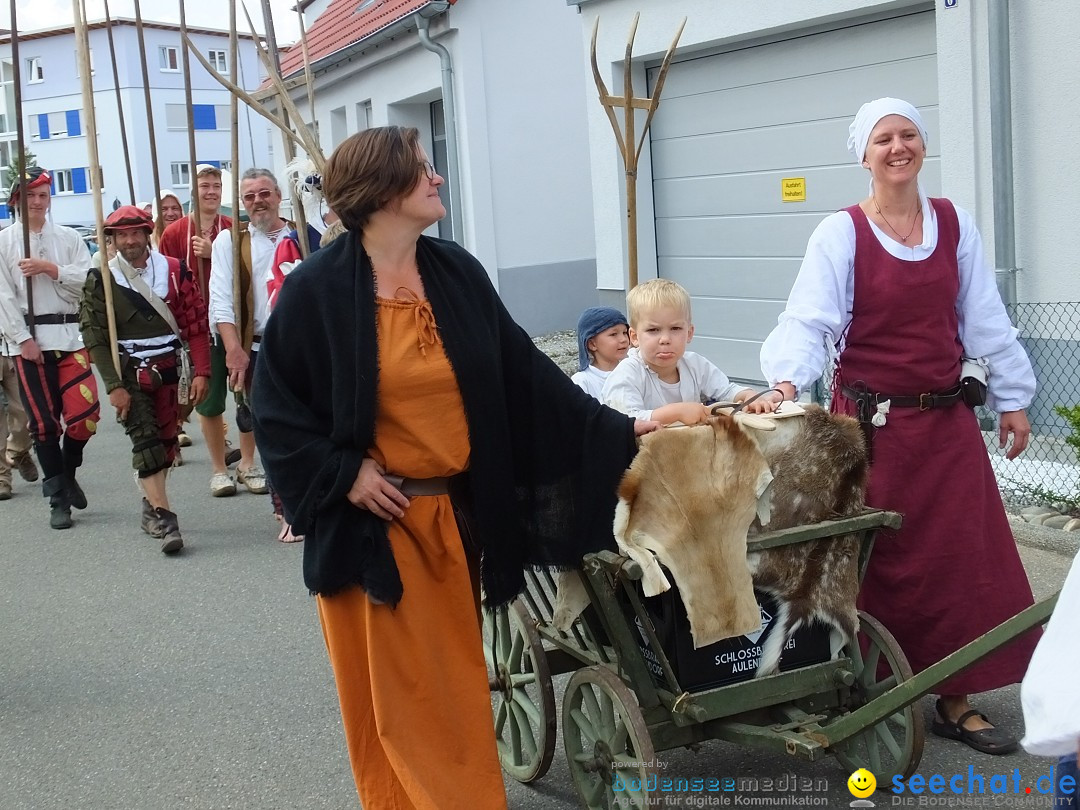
<point>686,502</point>
<point>819,469</point>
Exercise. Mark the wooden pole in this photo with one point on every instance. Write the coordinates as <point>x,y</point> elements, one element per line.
<point>309,79</point>
<point>149,105</point>
<point>119,104</point>
<point>273,68</point>
<point>254,105</point>
<point>190,106</point>
<point>234,111</point>
<point>630,165</point>
<point>626,138</point>
<point>82,39</point>
<point>20,162</point>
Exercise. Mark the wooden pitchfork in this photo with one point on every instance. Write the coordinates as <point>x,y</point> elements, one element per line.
<point>629,145</point>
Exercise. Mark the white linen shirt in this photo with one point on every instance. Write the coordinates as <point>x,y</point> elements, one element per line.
<point>636,390</point>
<point>591,381</point>
<point>64,248</point>
<point>819,309</point>
<point>156,276</point>
<point>221,277</point>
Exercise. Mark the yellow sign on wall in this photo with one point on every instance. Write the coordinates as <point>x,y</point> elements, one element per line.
<point>793,189</point>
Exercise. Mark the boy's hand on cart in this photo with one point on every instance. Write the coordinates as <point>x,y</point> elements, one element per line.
<point>1016,423</point>
<point>373,492</point>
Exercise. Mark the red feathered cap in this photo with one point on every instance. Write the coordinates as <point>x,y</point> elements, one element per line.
<point>127,217</point>
<point>32,178</point>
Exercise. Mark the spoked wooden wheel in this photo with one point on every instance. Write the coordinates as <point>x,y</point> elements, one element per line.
<point>523,699</point>
<point>608,747</point>
<point>893,746</point>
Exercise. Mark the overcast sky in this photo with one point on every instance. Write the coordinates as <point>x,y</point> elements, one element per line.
<point>38,14</point>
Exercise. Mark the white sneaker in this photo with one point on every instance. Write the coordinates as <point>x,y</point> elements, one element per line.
<point>222,485</point>
<point>253,478</point>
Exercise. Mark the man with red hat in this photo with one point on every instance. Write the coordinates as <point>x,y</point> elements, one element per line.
<point>160,315</point>
<point>55,378</point>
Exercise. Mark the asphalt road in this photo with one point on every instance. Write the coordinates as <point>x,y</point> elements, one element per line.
<point>132,680</point>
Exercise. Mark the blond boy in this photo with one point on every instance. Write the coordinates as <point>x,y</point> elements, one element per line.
<point>659,379</point>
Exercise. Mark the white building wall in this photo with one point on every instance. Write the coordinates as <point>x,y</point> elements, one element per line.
<point>1046,113</point>
<point>521,127</point>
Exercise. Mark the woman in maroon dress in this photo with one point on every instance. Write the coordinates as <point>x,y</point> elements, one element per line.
<point>899,285</point>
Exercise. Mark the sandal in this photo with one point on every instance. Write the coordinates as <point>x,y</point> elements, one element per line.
<point>286,534</point>
<point>986,740</point>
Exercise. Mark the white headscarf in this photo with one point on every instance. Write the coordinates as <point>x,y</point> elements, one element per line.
<point>873,111</point>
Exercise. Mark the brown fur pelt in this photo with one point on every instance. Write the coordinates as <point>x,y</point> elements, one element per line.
<point>819,468</point>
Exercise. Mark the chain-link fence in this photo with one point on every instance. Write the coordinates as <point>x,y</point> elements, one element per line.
<point>1049,470</point>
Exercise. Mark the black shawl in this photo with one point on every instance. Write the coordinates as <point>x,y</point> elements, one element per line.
<point>545,458</point>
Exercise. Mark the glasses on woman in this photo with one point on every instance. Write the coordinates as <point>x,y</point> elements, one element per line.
<point>429,170</point>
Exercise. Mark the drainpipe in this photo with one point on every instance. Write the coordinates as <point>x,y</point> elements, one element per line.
<point>450,121</point>
<point>1002,150</point>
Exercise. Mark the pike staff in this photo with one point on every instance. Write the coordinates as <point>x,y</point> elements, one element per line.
<point>119,104</point>
<point>82,40</point>
<point>189,106</point>
<point>149,106</point>
<point>234,112</point>
<point>309,79</point>
<point>20,160</point>
<point>273,67</point>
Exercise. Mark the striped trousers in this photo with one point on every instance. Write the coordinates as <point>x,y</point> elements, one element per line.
<point>60,396</point>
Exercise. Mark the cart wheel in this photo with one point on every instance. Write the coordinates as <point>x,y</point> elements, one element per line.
<point>608,747</point>
<point>522,695</point>
<point>894,746</point>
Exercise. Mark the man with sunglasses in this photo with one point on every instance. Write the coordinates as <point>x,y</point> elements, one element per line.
<point>239,320</point>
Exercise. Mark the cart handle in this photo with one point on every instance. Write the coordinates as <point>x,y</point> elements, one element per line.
<point>904,694</point>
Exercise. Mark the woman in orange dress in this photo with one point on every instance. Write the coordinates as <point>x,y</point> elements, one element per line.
<point>390,376</point>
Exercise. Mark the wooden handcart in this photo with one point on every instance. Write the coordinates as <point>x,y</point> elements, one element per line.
<point>617,714</point>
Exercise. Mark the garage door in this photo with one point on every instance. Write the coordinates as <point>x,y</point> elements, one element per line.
<point>731,127</point>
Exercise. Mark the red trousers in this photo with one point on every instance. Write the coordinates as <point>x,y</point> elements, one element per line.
<point>61,388</point>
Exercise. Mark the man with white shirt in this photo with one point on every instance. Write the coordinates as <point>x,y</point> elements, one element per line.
<point>240,323</point>
<point>55,378</point>
<point>158,309</point>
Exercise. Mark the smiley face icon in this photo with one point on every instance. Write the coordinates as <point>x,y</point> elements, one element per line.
<point>862,783</point>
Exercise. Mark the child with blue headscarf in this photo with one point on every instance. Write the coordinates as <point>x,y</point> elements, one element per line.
<point>603,340</point>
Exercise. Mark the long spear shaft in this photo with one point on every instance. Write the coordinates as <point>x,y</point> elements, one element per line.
<point>149,106</point>
<point>195,216</point>
<point>275,68</point>
<point>20,163</point>
<point>252,104</point>
<point>119,104</point>
<point>82,38</point>
<point>309,79</point>
<point>234,112</point>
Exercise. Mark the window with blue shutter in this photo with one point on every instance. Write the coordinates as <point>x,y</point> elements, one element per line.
<point>43,126</point>
<point>73,127</point>
<point>78,181</point>
<point>203,116</point>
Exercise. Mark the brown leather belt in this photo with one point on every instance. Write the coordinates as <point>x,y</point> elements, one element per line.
<point>414,487</point>
<point>924,402</point>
